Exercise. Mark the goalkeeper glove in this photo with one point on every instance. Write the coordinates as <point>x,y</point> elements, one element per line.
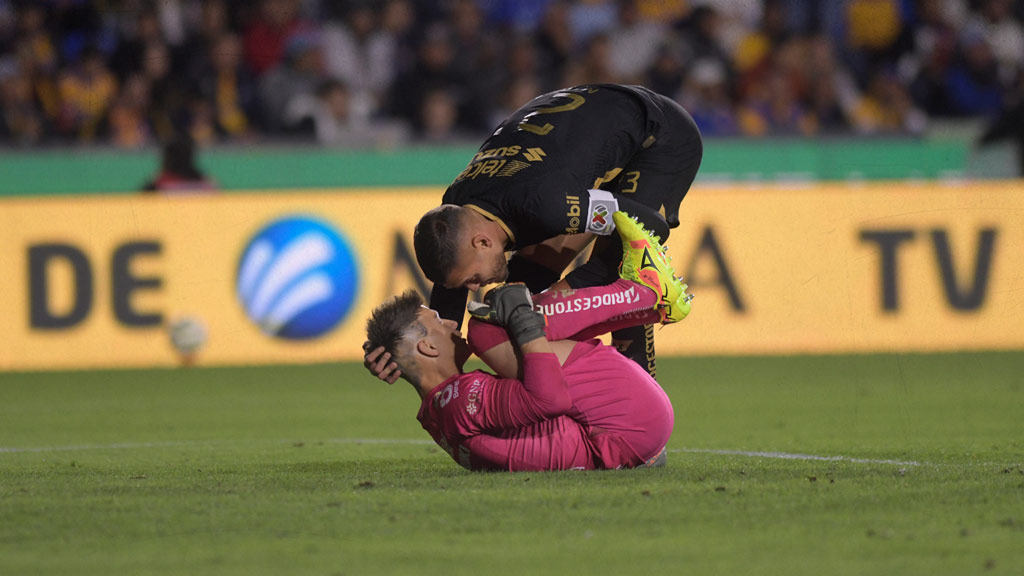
<point>510,306</point>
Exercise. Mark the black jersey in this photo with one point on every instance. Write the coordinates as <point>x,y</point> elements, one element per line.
<point>534,174</point>
<point>530,174</point>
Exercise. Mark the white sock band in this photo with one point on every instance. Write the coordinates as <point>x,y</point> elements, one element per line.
<point>599,213</point>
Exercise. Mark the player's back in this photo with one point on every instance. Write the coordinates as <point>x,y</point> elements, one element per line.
<point>559,143</point>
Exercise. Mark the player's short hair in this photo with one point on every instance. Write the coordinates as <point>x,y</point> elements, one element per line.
<point>436,241</point>
<point>393,325</point>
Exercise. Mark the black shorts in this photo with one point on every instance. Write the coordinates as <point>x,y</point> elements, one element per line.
<point>660,173</point>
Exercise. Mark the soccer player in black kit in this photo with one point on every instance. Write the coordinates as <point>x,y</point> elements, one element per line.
<point>544,185</point>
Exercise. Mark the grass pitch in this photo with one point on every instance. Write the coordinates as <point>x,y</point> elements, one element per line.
<point>323,470</point>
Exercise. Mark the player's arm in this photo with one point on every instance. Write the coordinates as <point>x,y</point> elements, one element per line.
<point>543,380</point>
<point>541,395</point>
<point>540,266</point>
<point>543,392</point>
<point>581,211</point>
<point>589,213</point>
<point>506,403</point>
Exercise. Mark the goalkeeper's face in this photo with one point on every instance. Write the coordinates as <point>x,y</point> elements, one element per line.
<point>478,266</point>
<point>445,336</point>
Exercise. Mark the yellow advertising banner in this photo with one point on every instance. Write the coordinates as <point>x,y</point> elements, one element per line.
<point>292,276</point>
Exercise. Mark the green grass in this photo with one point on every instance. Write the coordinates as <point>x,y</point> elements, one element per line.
<point>260,471</point>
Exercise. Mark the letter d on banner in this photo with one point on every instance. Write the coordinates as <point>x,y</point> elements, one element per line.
<point>41,315</point>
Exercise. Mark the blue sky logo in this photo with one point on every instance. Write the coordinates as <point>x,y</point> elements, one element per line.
<point>297,278</point>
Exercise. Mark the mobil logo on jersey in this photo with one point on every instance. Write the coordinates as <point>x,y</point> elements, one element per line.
<point>297,278</point>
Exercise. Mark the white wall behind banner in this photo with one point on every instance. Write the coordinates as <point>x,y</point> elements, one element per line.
<point>94,281</point>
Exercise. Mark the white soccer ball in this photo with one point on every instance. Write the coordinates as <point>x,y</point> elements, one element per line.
<point>188,334</point>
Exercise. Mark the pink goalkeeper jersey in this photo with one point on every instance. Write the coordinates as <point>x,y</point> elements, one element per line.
<point>612,414</point>
<point>490,423</point>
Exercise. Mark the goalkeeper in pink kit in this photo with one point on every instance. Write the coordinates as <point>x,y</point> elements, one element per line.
<point>560,399</point>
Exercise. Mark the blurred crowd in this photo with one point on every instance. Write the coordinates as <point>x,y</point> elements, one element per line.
<point>134,73</point>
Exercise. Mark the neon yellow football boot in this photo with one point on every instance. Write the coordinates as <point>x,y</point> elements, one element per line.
<point>644,261</point>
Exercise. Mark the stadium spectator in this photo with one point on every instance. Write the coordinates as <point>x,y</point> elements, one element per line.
<point>167,90</point>
<point>522,59</point>
<point>589,18</point>
<point>201,125</point>
<point>706,99</point>
<point>172,21</point>
<point>35,55</point>
<point>480,62</point>
<point>130,55</point>
<point>555,44</point>
<point>361,55</point>
<point>213,24</point>
<point>973,79</point>
<point>594,67</point>
<point>521,16</point>
<point>269,33</point>
<point>516,93</point>
<point>702,33</point>
<point>633,43</point>
<point>398,21</point>
<point>226,85</point>
<point>954,58</point>
<point>935,45</point>
<point>1009,125</point>
<point>439,121</point>
<point>739,23</point>
<point>829,116</point>
<point>664,10</point>
<point>77,27</point>
<point>178,170</point>
<point>21,121</point>
<point>667,72</point>
<point>129,125</point>
<point>86,91</point>
<point>771,107</point>
<point>327,117</point>
<point>754,49</point>
<point>886,108</point>
<point>1004,34</point>
<point>831,91</point>
<point>435,70</point>
<point>874,34</point>
<point>477,49</point>
<point>520,74</point>
<point>297,75</point>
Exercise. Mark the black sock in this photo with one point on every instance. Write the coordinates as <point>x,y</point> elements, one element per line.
<point>637,344</point>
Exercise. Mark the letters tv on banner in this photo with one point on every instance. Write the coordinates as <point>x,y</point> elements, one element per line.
<point>291,277</point>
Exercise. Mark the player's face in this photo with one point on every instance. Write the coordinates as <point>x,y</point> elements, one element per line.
<point>446,335</point>
<point>478,267</point>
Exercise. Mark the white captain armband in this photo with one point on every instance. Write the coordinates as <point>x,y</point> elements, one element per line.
<point>599,214</point>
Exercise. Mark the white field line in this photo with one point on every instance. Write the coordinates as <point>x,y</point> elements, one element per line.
<point>211,443</point>
<point>791,456</point>
<point>426,442</point>
<point>117,446</point>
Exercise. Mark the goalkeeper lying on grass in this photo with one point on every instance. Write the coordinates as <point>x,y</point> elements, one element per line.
<point>561,399</point>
